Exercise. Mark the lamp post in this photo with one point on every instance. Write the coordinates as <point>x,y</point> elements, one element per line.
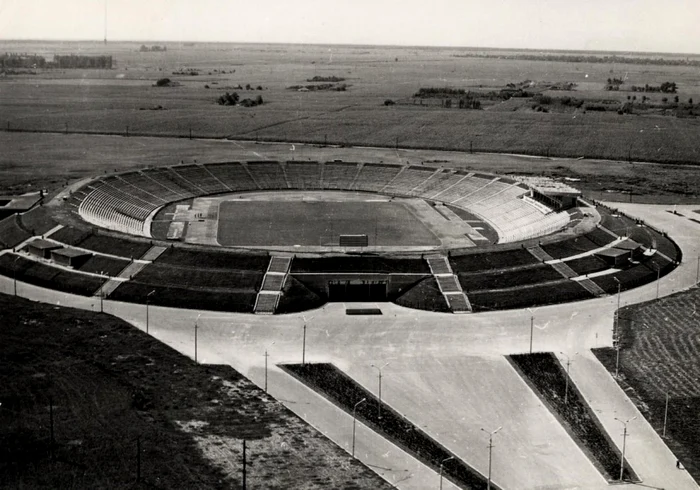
<point>532,325</point>
<point>148,296</point>
<point>441,463</point>
<point>566,390</point>
<point>624,443</point>
<point>491,434</point>
<point>354,420</point>
<point>102,293</point>
<point>196,326</point>
<point>379,406</point>
<point>303,342</point>
<point>617,329</point>
<point>14,273</point>
<point>665,416</point>
<point>266,356</point>
<point>658,280</point>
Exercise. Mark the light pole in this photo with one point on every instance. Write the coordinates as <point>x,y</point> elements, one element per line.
<point>658,280</point>
<point>617,329</point>
<point>665,416</point>
<point>102,293</point>
<point>303,342</point>
<point>148,296</point>
<point>196,326</point>
<point>566,390</point>
<point>14,273</point>
<point>441,463</point>
<point>624,443</point>
<point>491,434</point>
<point>303,347</point>
<point>532,325</point>
<point>354,419</point>
<point>697,272</point>
<point>379,370</point>
<point>266,356</point>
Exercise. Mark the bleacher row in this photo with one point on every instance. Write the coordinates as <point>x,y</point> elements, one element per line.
<point>124,202</point>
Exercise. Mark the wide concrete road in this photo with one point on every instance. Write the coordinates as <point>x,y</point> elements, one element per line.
<point>446,374</point>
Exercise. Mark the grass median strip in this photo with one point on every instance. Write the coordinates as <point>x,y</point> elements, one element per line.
<point>343,391</point>
<point>547,378</point>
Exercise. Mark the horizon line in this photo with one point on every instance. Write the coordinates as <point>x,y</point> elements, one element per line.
<point>279,43</point>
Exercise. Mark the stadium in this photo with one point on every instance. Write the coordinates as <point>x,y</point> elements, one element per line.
<point>278,237</point>
<point>409,266</point>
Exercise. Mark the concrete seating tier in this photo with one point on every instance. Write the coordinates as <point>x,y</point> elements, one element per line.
<point>268,175</point>
<point>232,174</point>
<point>304,175</point>
<point>373,177</point>
<point>339,175</point>
<point>200,177</point>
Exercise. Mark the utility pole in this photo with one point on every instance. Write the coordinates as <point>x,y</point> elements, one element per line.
<point>244,473</point>
<point>490,446</point>
<point>624,444</point>
<point>566,390</point>
<point>266,356</point>
<point>354,422</point>
<point>617,329</point>
<point>147,301</point>
<point>51,439</point>
<point>138,458</point>
<point>532,327</point>
<point>303,347</point>
<point>196,327</point>
<point>665,416</point>
<point>442,463</point>
<point>379,405</point>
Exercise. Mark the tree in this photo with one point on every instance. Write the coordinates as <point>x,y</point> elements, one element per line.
<point>259,100</point>
<point>690,101</point>
<point>675,99</point>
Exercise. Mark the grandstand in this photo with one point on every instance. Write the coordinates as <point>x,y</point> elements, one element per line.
<point>127,202</point>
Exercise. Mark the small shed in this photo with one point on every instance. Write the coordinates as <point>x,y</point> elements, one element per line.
<point>42,248</point>
<point>70,257</point>
<point>614,257</point>
<point>636,250</point>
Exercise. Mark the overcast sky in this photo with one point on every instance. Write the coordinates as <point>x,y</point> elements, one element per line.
<point>620,25</point>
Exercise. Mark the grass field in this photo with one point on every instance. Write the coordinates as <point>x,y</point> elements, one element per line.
<point>250,223</point>
<point>659,356</point>
<point>106,396</point>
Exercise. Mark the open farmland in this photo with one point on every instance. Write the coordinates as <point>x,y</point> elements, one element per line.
<point>123,100</point>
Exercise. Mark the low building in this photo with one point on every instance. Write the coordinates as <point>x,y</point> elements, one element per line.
<point>42,248</point>
<point>615,257</point>
<point>636,250</point>
<point>70,257</point>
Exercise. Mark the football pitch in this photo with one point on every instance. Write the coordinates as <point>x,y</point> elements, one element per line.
<point>319,223</point>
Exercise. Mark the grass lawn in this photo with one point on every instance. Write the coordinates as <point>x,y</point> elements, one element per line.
<point>660,355</point>
<point>248,223</point>
<point>546,376</point>
<point>108,385</point>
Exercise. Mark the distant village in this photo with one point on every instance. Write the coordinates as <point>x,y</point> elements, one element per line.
<point>25,60</point>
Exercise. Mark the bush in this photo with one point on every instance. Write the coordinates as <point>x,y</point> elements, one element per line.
<point>163,82</point>
<point>389,102</point>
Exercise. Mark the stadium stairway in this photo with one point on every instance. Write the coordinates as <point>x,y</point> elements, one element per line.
<point>448,284</point>
<point>566,271</point>
<point>272,284</point>
<point>129,271</point>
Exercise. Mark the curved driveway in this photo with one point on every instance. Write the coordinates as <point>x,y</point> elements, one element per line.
<point>447,373</point>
